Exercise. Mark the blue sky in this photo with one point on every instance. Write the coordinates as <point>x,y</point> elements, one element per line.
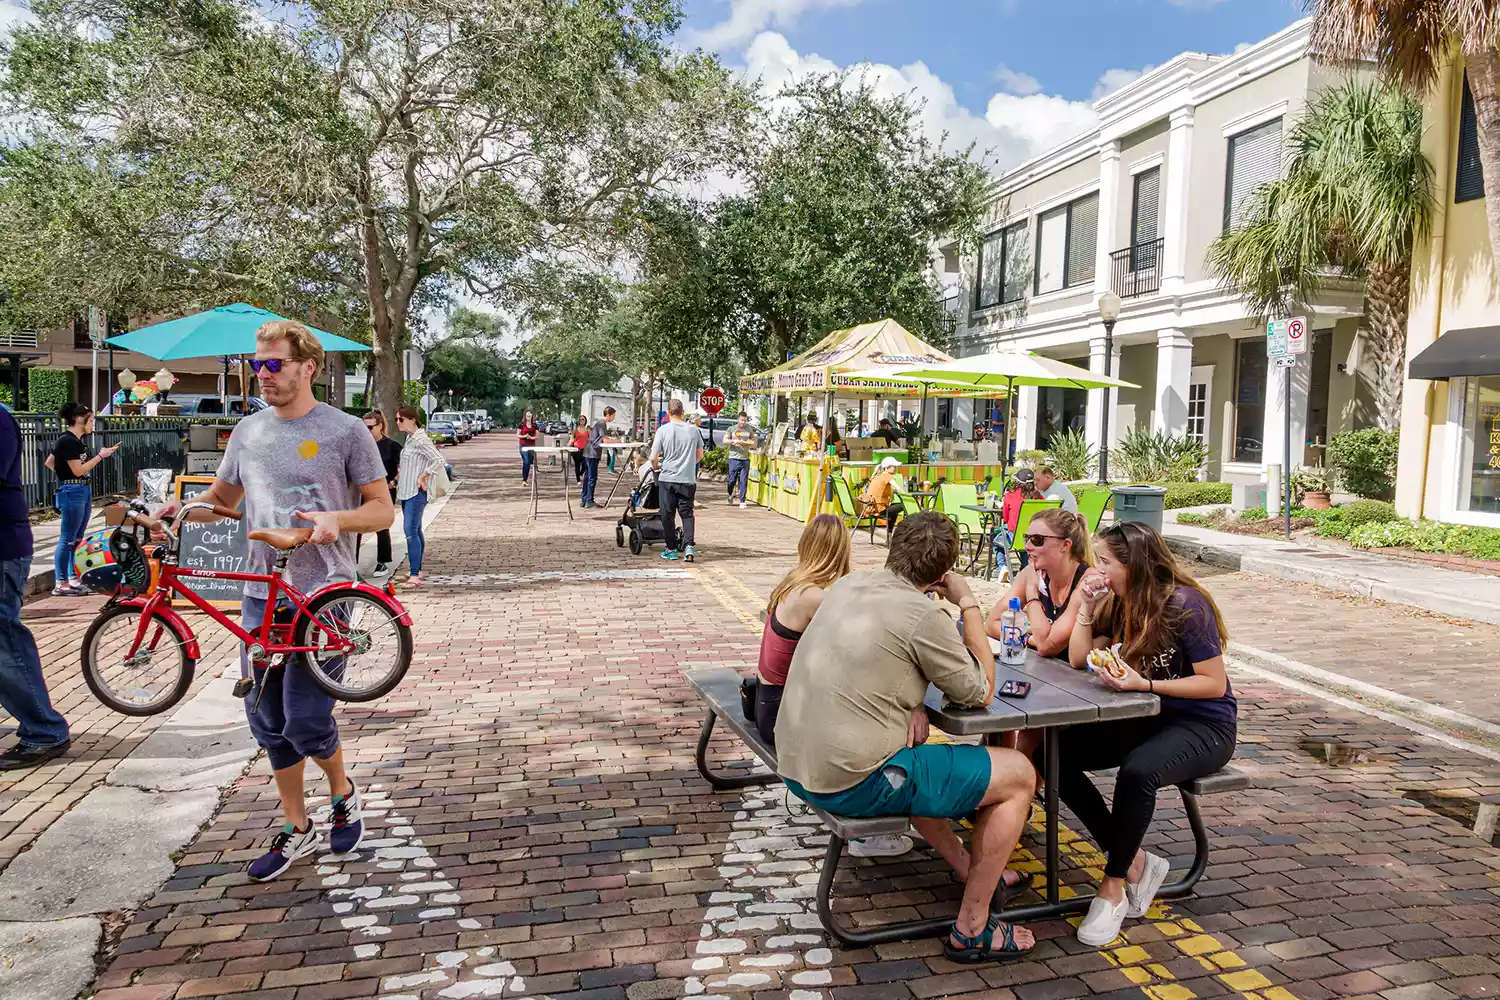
<point>1016,76</point>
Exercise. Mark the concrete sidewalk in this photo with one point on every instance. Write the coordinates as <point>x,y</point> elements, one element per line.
<point>1446,591</point>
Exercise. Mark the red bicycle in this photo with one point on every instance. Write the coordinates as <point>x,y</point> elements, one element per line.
<point>139,654</point>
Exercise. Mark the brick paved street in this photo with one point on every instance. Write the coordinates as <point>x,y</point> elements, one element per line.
<point>538,828</point>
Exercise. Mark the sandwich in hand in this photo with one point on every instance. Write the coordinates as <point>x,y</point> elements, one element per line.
<point>1107,661</point>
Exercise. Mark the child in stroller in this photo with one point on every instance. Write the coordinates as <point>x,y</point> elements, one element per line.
<point>642,516</point>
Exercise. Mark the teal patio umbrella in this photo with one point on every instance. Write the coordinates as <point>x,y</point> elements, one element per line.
<point>217,332</point>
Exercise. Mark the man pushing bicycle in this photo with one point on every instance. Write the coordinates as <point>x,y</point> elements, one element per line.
<point>313,470</point>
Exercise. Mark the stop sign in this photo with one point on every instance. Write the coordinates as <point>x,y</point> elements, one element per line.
<point>711,401</point>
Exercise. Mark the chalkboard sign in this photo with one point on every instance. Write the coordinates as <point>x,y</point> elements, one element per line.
<point>218,546</point>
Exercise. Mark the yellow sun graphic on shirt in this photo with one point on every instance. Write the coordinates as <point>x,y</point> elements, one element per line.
<point>307,449</point>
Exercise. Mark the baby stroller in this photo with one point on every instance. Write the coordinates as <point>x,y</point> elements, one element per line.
<point>642,517</point>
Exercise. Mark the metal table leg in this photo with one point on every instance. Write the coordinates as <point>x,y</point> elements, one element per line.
<point>1049,768</point>
<point>619,477</point>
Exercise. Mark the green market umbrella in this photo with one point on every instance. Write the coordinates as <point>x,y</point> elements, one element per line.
<point>217,332</point>
<point>1006,369</point>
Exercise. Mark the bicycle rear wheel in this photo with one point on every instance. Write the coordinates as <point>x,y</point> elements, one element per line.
<point>381,642</point>
<point>148,681</point>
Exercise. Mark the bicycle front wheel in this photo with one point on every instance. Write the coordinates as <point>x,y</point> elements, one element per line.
<point>136,678</point>
<point>362,650</point>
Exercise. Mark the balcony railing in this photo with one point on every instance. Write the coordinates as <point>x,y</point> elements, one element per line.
<point>18,338</point>
<point>1136,270</point>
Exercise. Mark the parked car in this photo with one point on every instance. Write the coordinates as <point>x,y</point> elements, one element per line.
<point>196,405</point>
<point>460,426</point>
<point>443,431</point>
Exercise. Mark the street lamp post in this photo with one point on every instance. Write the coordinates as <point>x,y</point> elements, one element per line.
<point>1109,312</point>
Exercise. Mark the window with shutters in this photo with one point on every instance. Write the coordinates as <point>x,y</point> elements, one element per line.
<point>1469,184</point>
<point>1067,238</point>
<point>1145,216</point>
<point>1003,266</point>
<point>1254,159</point>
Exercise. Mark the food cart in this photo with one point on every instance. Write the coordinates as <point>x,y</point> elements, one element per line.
<point>791,480</point>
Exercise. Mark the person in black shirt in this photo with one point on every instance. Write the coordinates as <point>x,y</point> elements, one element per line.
<point>42,733</point>
<point>886,432</point>
<point>75,494</point>
<point>390,456</point>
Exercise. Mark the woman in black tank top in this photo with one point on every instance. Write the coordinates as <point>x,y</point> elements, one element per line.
<point>1059,553</point>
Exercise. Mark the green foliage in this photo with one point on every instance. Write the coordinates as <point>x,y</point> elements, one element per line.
<point>716,460</point>
<point>1193,517</point>
<point>1253,514</point>
<point>1368,511</point>
<point>1147,456</point>
<point>1179,495</point>
<point>1429,536</point>
<point>1364,462</point>
<point>357,403</point>
<point>1070,456</point>
<point>1310,479</point>
<point>47,389</point>
<point>1031,458</point>
<point>469,364</point>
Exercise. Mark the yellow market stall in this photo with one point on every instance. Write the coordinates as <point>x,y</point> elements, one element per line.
<point>789,477</point>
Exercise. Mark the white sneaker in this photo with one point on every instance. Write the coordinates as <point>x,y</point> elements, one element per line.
<point>891,845</point>
<point>1102,925</point>
<point>1142,894</point>
<point>743,505</point>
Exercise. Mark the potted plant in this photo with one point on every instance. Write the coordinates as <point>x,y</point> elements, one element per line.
<point>1311,482</point>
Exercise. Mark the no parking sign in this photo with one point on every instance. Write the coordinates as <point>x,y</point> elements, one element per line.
<point>1296,335</point>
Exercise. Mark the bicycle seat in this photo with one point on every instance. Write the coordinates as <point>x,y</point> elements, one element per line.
<point>281,538</point>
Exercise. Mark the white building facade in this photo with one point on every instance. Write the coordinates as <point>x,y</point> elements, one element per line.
<point>1133,206</point>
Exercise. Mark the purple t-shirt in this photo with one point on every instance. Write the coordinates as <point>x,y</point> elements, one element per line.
<point>1195,638</point>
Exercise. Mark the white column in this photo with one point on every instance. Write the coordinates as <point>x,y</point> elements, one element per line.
<point>1025,417</point>
<point>1178,180</point>
<point>1109,201</point>
<point>1091,423</point>
<point>1276,408</point>
<point>1174,370</point>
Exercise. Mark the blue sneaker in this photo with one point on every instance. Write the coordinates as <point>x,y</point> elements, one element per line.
<point>348,825</point>
<point>669,554</point>
<point>688,555</point>
<point>286,847</point>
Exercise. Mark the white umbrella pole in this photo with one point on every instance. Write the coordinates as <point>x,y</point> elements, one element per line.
<point>922,434</point>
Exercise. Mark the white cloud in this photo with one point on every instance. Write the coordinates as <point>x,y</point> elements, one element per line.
<point>1014,82</point>
<point>12,14</point>
<point>1112,80</point>
<point>747,18</point>
<point>1014,127</point>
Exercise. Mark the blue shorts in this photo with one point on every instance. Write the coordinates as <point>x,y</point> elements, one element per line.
<point>937,780</point>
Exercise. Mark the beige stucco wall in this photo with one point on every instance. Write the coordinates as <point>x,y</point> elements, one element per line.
<point>1211,150</point>
<point>1138,365</point>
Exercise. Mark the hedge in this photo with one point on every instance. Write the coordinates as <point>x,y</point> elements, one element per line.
<point>1429,536</point>
<point>47,389</point>
<point>716,460</point>
<point>1178,494</point>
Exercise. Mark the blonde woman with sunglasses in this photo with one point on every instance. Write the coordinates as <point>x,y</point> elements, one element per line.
<point>1058,555</point>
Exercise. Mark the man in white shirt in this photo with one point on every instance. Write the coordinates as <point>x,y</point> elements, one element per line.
<point>1046,481</point>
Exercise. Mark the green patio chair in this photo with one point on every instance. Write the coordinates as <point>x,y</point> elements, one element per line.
<point>1091,507</point>
<point>950,503</point>
<point>851,508</point>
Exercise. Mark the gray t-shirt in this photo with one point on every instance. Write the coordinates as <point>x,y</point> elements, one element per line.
<point>316,462</point>
<point>740,441</point>
<point>1057,491</point>
<point>677,442</point>
<point>597,433</point>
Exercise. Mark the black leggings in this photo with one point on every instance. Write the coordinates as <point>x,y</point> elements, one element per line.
<point>1150,753</point>
<point>767,705</point>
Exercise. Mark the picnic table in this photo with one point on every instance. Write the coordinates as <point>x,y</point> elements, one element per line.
<point>923,498</point>
<point>535,509</point>
<point>621,451</point>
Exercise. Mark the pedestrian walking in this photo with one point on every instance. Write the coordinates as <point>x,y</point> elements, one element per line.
<point>580,441</point>
<point>528,434</point>
<point>740,440</point>
<point>390,457</point>
<point>420,462</point>
<point>74,499</point>
<point>675,453</point>
<point>296,464</point>
<point>42,733</point>
<point>598,434</point>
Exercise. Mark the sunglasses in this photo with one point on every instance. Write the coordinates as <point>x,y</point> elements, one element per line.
<point>1039,540</point>
<point>272,365</point>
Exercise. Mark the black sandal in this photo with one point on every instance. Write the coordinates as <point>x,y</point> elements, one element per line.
<point>1008,891</point>
<point>981,948</point>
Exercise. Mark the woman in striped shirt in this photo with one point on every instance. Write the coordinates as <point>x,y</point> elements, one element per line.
<point>420,461</point>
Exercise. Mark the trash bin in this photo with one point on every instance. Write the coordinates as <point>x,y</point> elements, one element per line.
<point>1143,504</point>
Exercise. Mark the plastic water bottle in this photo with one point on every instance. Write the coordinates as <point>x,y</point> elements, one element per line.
<point>1013,629</point>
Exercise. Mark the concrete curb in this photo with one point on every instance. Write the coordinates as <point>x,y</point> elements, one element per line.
<point>1331,577</point>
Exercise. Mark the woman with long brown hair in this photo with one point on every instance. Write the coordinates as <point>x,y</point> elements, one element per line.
<point>1172,639</point>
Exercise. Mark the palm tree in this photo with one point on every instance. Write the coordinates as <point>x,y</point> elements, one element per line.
<point>1411,40</point>
<point>1356,195</point>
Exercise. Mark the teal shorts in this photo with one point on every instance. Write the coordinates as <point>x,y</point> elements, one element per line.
<point>937,780</point>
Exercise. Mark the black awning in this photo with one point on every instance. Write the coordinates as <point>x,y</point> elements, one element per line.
<point>1475,351</point>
